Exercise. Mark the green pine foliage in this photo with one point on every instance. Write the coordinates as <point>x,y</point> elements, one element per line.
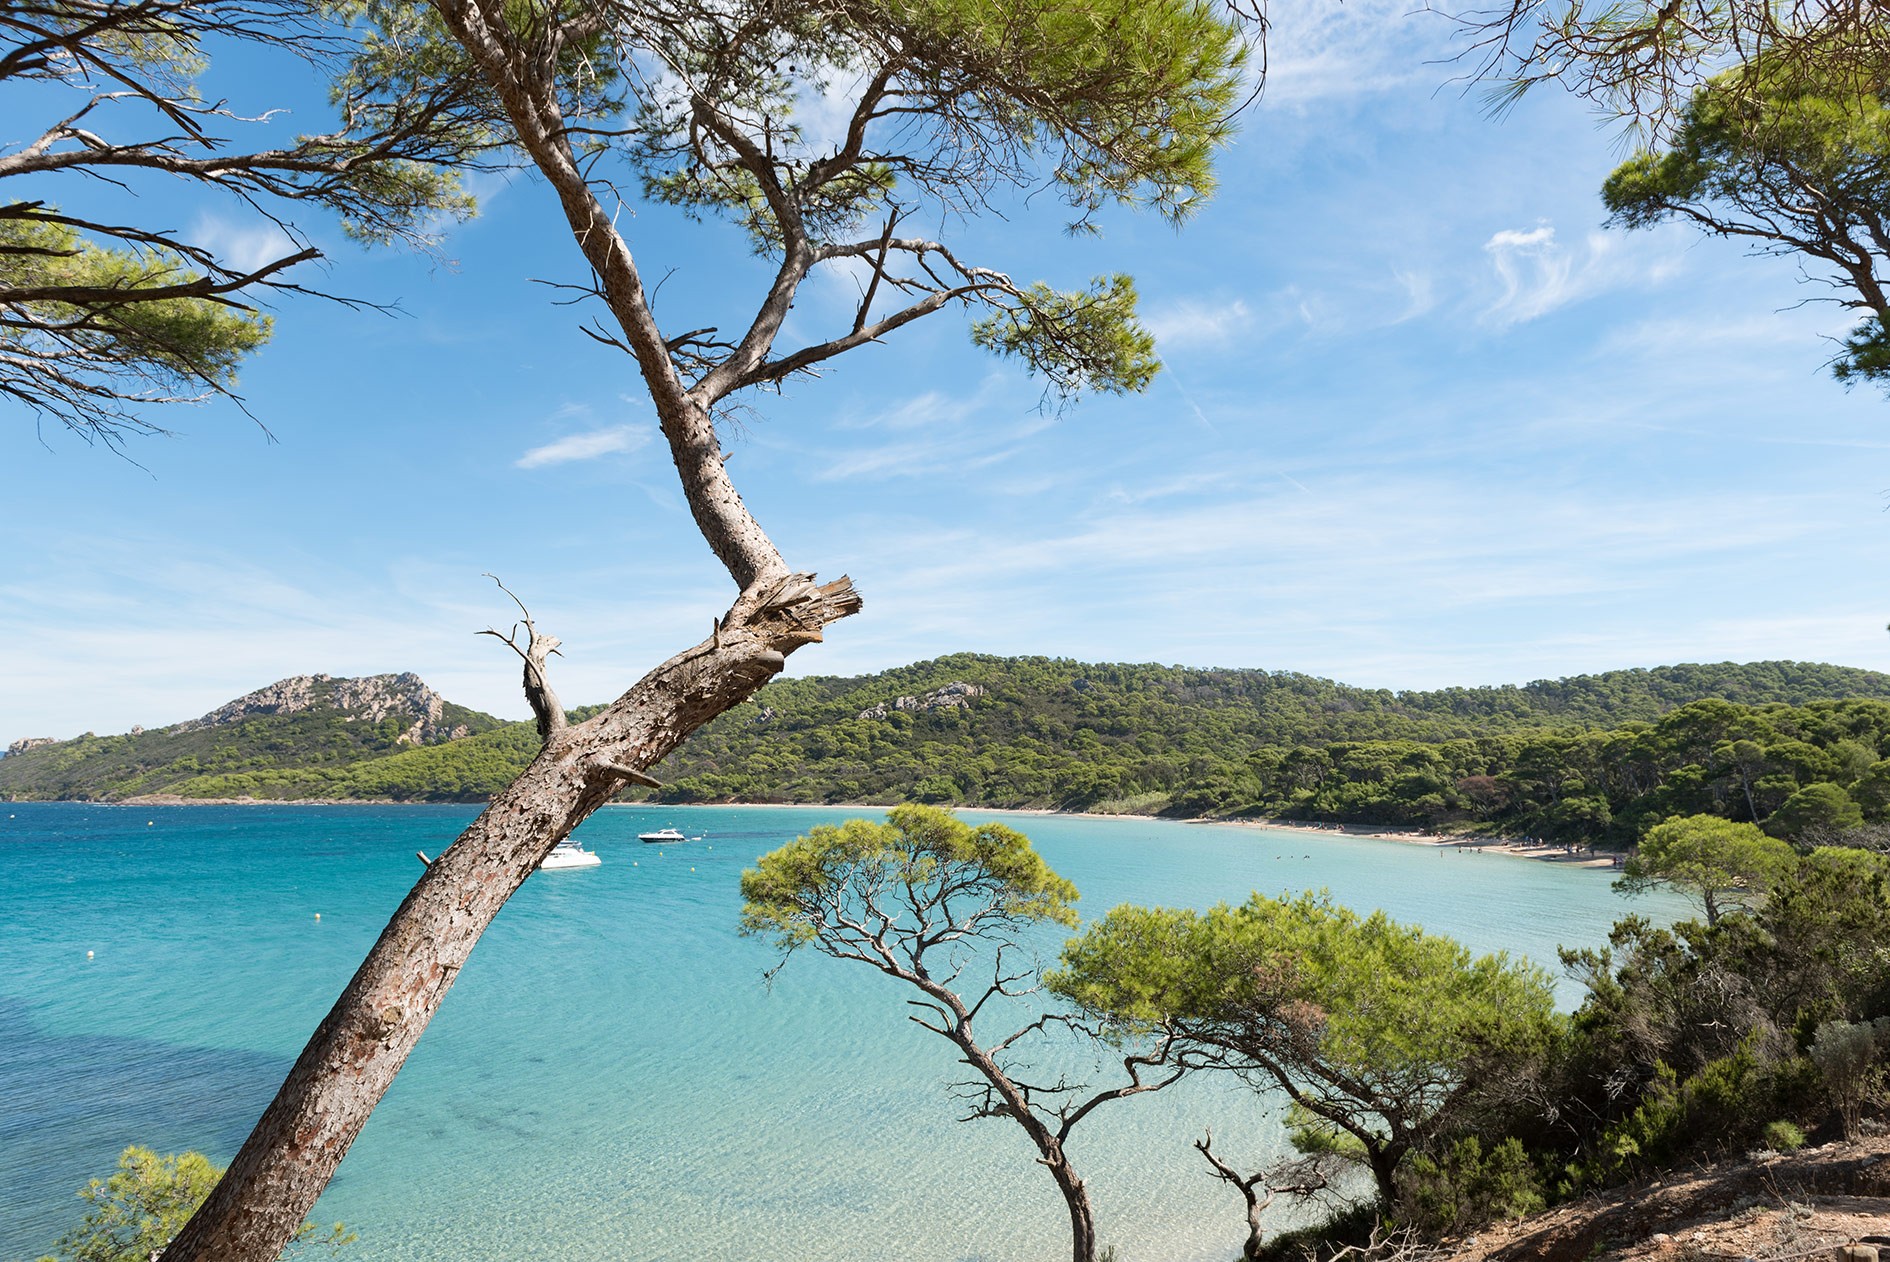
<point>1792,162</point>
<point>1382,1036</point>
<point>1461,1188</point>
<point>1719,863</point>
<point>136,1211</point>
<point>175,344</point>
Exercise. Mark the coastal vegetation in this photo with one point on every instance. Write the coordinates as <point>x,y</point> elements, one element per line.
<point>1450,1082</point>
<point>1720,1030</point>
<point>1380,1036</point>
<point>134,1212</point>
<point>322,739</point>
<point>1719,863</point>
<point>926,900</point>
<point>103,320</point>
<point>940,110</point>
<point>1797,749</point>
<point>1592,759</point>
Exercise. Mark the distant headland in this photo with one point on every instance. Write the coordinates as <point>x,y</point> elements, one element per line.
<point>1588,759</point>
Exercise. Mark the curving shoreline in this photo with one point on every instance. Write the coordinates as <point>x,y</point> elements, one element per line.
<point>1479,845</point>
<point>1510,846</point>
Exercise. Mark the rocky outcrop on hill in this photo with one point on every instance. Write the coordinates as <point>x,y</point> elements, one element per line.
<point>30,742</point>
<point>953,696</point>
<point>370,699</point>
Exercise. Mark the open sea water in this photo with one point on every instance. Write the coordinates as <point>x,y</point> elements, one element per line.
<point>610,1078</point>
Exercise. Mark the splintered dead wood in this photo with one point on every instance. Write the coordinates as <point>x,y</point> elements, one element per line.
<point>360,1046</point>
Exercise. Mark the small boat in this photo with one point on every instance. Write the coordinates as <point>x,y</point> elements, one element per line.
<point>567,854</point>
<point>662,834</point>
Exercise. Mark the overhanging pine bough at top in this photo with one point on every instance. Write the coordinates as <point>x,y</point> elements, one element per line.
<point>103,321</point>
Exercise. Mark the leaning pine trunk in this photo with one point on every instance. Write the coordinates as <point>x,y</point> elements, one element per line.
<point>359,1047</point>
<point>354,1054</point>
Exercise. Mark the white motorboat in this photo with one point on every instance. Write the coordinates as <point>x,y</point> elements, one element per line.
<point>662,834</point>
<point>567,854</point>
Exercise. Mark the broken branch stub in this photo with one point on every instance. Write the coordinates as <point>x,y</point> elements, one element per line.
<point>536,651</point>
<point>355,1053</point>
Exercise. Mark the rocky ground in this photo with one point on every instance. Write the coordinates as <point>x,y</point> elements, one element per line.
<point>1770,1208</point>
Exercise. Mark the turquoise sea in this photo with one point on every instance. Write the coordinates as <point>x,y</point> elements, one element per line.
<point>610,1078</point>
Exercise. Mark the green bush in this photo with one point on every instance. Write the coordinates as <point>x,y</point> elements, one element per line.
<point>1848,1059</point>
<point>1713,1111</point>
<point>137,1211</point>
<point>1782,1137</point>
<point>1463,1188</point>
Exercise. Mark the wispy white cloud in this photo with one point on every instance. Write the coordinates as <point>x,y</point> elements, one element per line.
<point>1536,273</point>
<point>244,247</point>
<point>1742,343</point>
<point>587,446</point>
<point>934,434</point>
<point>1326,52</point>
<point>1189,484</point>
<point>1420,294</point>
<point>1193,322</point>
<point>933,457</point>
<point>1341,301</point>
<point>824,111</point>
<point>1386,578</point>
<point>930,410</point>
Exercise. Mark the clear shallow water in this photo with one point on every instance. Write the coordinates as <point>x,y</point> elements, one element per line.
<point>609,1078</point>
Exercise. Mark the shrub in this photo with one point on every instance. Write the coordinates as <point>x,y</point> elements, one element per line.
<point>1714,1110</point>
<point>1847,1058</point>
<point>1782,1137</point>
<point>1352,1227</point>
<point>1463,1188</point>
<point>135,1213</point>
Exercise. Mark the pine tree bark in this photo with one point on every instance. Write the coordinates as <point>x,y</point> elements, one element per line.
<point>354,1054</point>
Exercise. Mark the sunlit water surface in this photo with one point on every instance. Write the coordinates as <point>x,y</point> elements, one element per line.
<point>610,1078</point>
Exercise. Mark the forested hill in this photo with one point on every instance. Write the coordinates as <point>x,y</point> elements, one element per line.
<point>965,729</point>
<point>1629,695</point>
<point>1047,732</point>
<point>309,723</point>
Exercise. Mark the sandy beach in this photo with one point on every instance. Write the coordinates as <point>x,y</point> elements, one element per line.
<point>1508,846</point>
<point>1576,856</point>
<point>173,799</point>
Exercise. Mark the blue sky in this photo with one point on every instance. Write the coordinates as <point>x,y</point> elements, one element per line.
<point>1425,421</point>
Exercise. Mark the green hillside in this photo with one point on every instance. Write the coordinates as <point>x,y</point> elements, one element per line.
<point>1050,732</point>
<point>978,730</point>
<point>307,726</point>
